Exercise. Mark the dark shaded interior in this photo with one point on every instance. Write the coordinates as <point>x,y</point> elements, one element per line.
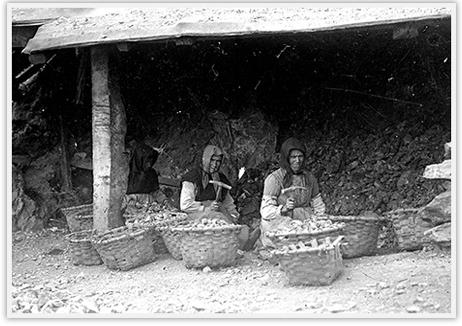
<point>369,107</point>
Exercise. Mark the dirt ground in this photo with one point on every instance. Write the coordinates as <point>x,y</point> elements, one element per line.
<point>45,281</point>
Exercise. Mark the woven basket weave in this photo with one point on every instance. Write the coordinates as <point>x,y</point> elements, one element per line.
<point>172,238</point>
<point>82,250</point>
<point>409,228</point>
<point>285,238</point>
<point>124,248</point>
<point>311,265</point>
<point>79,218</point>
<point>209,246</point>
<point>361,235</point>
<point>156,237</point>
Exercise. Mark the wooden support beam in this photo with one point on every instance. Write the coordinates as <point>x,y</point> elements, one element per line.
<point>66,180</point>
<point>110,166</point>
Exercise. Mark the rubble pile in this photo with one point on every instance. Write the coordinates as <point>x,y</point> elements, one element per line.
<point>377,171</point>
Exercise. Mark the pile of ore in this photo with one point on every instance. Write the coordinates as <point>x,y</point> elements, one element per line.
<point>377,171</point>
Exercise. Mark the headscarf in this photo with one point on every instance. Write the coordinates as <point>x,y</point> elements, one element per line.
<point>142,157</point>
<point>209,151</point>
<point>286,147</point>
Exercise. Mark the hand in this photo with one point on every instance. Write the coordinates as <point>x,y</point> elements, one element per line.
<point>289,205</point>
<point>235,217</point>
<point>215,206</point>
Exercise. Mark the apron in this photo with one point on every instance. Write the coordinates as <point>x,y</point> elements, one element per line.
<point>301,212</point>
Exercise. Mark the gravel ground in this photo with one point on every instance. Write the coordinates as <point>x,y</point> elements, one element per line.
<point>44,281</point>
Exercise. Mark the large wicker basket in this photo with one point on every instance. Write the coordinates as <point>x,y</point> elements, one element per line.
<point>361,235</point>
<point>209,246</point>
<point>282,238</point>
<point>125,247</point>
<point>82,250</point>
<point>310,263</point>
<point>409,228</point>
<point>79,218</point>
<point>156,238</point>
<point>172,238</point>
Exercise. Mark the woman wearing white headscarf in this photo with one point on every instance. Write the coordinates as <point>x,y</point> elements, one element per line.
<point>278,209</point>
<point>199,197</point>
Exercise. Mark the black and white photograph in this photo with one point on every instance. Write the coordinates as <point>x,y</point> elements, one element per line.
<point>230,160</point>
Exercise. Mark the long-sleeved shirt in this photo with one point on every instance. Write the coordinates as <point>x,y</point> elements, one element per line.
<point>189,204</point>
<point>273,201</point>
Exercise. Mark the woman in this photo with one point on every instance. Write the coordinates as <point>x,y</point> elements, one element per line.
<point>290,192</point>
<point>199,197</point>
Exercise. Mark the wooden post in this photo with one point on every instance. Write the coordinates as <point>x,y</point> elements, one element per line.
<point>65,167</point>
<point>108,132</point>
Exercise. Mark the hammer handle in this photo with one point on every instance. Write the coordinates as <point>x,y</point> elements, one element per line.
<point>218,194</point>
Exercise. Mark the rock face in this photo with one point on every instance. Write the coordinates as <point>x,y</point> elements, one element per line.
<point>247,141</point>
<point>438,211</point>
<point>438,171</point>
<point>441,235</point>
<point>25,210</point>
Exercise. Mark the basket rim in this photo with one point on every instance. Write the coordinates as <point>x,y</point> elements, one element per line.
<point>290,252</point>
<point>88,232</point>
<point>100,238</point>
<point>158,223</point>
<point>273,234</point>
<point>401,210</point>
<point>351,218</point>
<point>76,207</point>
<point>230,227</point>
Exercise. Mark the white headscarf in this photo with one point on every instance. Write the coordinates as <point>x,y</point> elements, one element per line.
<point>209,151</point>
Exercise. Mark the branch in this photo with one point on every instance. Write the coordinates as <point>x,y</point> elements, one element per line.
<point>373,95</point>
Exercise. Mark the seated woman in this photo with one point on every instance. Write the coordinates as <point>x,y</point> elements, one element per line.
<point>290,192</point>
<point>143,183</point>
<point>199,197</point>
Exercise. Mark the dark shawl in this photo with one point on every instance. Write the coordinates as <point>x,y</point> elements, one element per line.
<point>142,178</point>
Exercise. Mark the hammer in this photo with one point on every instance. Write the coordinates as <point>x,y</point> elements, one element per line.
<point>290,190</point>
<point>283,191</point>
<point>220,186</point>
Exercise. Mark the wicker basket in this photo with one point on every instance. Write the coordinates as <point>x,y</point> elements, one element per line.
<point>172,238</point>
<point>82,250</point>
<point>361,235</point>
<point>409,228</point>
<point>156,238</point>
<point>311,264</point>
<point>285,238</point>
<point>125,247</point>
<point>209,246</point>
<point>79,218</point>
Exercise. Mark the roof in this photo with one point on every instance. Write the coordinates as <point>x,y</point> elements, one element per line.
<point>118,25</point>
<point>39,16</point>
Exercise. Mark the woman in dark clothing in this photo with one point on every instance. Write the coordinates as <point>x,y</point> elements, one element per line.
<point>143,183</point>
<point>199,197</point>
<point>142,178</point>
<point>304,202</point>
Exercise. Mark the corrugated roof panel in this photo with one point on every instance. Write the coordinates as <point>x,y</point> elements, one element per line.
<point>113,25</point>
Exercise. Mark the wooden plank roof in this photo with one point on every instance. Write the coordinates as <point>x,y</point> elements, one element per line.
<point>119,25</point>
